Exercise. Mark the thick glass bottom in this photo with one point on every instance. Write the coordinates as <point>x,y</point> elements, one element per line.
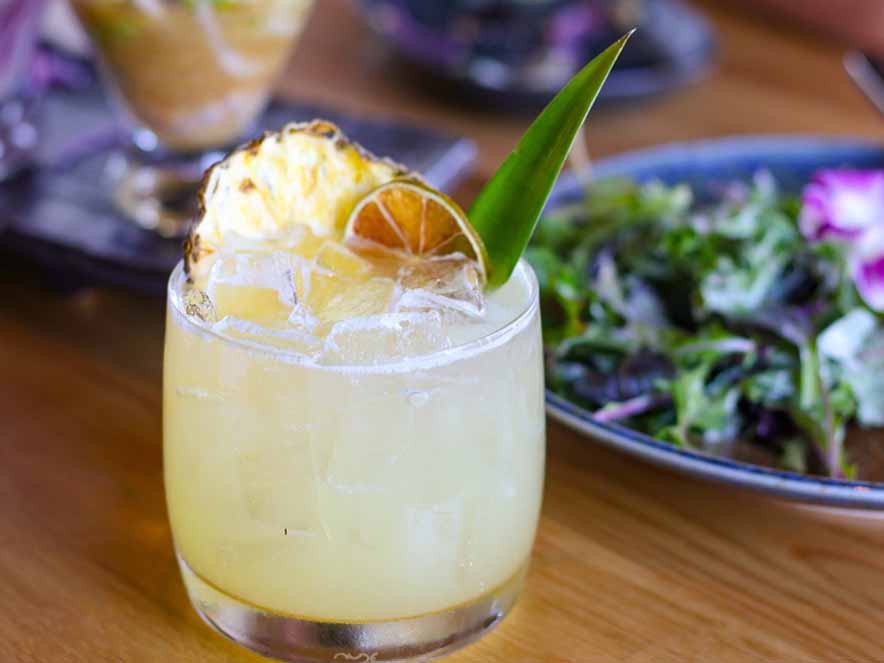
<point>159,194</point>
<point>300,640</point>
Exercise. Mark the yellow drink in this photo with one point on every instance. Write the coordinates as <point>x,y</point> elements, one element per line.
<point>375,482</point>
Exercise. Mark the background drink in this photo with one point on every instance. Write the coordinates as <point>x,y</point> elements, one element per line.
<point>196,73</point>
<point>360,493</point>
<point>188,78</point>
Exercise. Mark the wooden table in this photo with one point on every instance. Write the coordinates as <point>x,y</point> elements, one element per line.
<point>632,564</point>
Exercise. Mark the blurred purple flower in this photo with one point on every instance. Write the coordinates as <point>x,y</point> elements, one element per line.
<point>867,266</point>
<point>842,204</point>
<point>848,206</point>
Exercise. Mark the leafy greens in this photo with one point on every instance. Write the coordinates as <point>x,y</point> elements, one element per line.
<point>714,326</point>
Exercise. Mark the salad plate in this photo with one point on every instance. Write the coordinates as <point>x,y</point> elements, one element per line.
<point>708,167</point>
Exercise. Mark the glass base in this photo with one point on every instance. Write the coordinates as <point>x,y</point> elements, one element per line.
<point>296,640</point>
<point>159,194</point>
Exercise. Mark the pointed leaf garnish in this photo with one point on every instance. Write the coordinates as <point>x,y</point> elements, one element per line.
<point>507,209</point>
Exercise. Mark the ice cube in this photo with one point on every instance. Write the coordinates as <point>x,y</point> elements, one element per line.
<point>325,297</point>
<point>375,339</point>
<point>304,274</point>
<point>449,284</point>
<point>272,271</point>
<point>422,333</point>
<point>319,290</point>
<point>341,261</point>
<point>287,338</point>
<point>254,286</point>
<point>356,300</point>
<point>303,320</point>
<point>361,340</point>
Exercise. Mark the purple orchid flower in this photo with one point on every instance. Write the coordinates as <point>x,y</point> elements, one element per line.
<point>842,203</point>
<point>867,265</point>
<point>848,206</point>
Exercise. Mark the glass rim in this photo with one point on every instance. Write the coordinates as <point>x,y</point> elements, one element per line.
<point>428,360</point>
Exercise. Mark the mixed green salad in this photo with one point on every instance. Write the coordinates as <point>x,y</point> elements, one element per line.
<point>749,327</point>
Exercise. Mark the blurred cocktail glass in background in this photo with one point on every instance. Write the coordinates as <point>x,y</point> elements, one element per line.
<point>19,27</point>
<point>188,78</point>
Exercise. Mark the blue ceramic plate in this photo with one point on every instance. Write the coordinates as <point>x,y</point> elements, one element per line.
<point>706,165</point>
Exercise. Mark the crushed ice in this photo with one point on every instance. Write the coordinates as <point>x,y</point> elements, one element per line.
<point>362,316</point>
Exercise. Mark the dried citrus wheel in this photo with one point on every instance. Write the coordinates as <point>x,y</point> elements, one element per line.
<point>307,174</point>
<point>410,218</point>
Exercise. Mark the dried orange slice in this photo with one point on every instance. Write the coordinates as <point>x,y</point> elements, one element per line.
<point>410,218</point>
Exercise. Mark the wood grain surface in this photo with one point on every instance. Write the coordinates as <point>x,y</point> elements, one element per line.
<point>632,564</point>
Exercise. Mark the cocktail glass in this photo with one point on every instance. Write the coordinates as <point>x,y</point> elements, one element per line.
<point>188,79</point>
<point>366,509</point>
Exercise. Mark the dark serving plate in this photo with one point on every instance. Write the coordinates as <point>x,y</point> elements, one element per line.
<point>707,165</point>
<point>518,55</point>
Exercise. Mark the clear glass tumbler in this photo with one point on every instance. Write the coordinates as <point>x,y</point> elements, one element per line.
<point>375,512</point>
<point>188,78</point>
